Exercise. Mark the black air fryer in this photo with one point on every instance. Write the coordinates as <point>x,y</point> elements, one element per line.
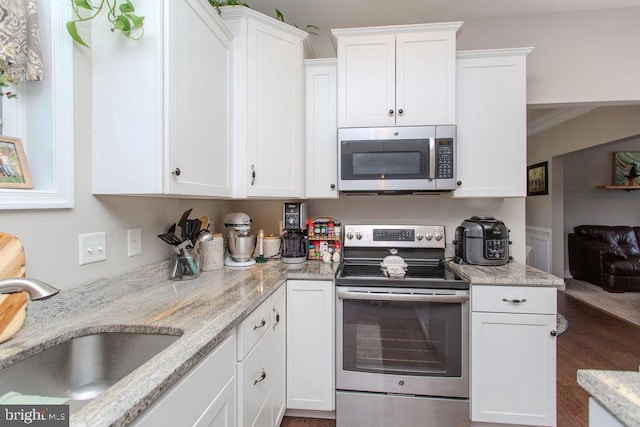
<point>482,240</point>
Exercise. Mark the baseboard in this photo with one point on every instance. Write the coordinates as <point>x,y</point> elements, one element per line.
<point>305,413</point>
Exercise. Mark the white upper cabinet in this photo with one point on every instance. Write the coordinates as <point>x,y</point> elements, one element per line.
<point>268,111</point>
<point>492,128</point>
<point>397,75</point>
<point>321,132</point>
<point>161,105</point>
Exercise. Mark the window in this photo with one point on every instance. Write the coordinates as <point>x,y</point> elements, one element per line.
<point>43,118</point>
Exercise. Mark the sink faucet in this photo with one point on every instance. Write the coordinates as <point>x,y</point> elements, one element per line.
<point>35,288</point>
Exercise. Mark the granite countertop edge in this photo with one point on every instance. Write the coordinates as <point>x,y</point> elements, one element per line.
<point>511,274</point>
<point>203,311</point>
<point>617,391</point>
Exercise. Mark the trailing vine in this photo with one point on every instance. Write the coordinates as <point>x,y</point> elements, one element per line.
<point>121,16</point>
<point>5,82</point>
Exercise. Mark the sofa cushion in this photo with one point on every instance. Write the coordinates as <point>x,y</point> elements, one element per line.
<point>628,267</point>
<point>622,239</point>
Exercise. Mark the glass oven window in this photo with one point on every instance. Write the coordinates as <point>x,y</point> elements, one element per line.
<point>402,338</point>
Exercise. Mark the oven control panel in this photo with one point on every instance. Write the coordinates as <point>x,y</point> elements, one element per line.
<point>410,236</point>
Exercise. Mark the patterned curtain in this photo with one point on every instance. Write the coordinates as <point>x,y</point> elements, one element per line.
<point>20,40</point>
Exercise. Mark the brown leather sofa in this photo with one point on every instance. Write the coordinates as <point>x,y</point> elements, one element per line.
<point>608,256</point>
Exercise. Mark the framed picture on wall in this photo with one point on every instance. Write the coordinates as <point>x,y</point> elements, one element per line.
<point>14,169</point>
<point>626,168</point>
<point>538,179</point>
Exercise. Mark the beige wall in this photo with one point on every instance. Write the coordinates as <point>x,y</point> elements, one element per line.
<point>600,126</point>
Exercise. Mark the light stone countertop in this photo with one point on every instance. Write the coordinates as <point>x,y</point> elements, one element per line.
<point>203,311</point>
<point>510,274</point>
<point>618,391</point>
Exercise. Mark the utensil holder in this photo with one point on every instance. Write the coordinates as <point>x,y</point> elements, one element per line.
<point>185,265</point>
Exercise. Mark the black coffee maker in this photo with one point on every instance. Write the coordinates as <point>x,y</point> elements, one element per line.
<point>295,242</point>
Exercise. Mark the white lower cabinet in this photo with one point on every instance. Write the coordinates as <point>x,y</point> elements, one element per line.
<point>513,355</point>
<point>206,396</point>
<point>279,355</point>
<point>310,345</point>
<point>261,374</point>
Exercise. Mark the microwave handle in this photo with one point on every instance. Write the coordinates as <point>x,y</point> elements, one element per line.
<point>432,158</point>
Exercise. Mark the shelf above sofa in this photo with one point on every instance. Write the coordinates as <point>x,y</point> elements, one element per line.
<point>619,187</point>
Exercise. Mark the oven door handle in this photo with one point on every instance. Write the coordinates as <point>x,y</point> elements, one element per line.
<point>454,299</point>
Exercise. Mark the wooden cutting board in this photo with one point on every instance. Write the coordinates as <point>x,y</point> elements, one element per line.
<point>13,307</point>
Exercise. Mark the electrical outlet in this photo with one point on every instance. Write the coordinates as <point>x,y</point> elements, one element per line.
<point>134,241</point>
<point>92,247</point>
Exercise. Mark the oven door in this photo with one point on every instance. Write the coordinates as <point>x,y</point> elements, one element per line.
<point>405,341</point>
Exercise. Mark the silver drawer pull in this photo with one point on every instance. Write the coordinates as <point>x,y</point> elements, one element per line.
<point>515,300</point>
<point>263,375</point>
<point>262,323</point>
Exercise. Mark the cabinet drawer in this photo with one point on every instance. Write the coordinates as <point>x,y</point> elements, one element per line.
<point>253,327</point>
<point>254,380</point>
<point>513,299</point>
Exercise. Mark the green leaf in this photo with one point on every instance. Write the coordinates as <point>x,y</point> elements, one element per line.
<point>84,4</point>
<point>136,20</point>
<point>122,24</point>
<point>279,15</point>
<point>73,32</point>
<point>127,7</point>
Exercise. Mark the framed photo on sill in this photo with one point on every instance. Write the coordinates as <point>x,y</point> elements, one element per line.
<point>538,179</point>
<point>14,169</point>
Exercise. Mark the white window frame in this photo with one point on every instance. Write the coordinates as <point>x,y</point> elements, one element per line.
<point>54,189</point>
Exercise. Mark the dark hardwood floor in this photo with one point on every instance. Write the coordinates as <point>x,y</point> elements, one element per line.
<point>594,340</point>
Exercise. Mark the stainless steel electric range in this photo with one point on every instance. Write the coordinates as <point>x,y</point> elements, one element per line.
<point>402,330</point>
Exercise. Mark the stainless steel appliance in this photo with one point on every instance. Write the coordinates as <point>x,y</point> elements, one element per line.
<point>294,248</point>
<point>240,244</point>
<point>482,240</point>
<point>294,216</point>
<point>402,330</point>
<point>397,159</point>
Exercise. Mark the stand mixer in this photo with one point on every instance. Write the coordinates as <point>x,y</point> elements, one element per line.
<point>240,244</point>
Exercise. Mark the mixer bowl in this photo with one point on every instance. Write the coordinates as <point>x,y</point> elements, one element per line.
<point>241,247</point>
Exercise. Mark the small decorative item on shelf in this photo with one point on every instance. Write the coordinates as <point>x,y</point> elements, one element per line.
<point>14,169</point>
<point>325,236</point>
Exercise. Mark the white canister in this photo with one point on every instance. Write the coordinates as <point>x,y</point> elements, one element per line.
<point>271,246</point>
<point>212,253</point>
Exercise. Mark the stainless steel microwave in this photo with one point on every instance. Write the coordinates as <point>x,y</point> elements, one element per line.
<point>397,159</point>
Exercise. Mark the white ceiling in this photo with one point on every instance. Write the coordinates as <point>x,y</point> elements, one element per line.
<point>328,14</point>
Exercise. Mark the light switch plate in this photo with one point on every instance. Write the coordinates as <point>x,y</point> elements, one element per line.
<point>134,241</point>
<point>92,247</point>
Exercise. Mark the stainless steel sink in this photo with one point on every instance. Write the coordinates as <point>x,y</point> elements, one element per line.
<point>82,367</point>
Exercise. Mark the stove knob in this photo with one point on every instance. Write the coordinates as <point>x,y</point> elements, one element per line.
<point>429,236</point>
<point>349,235</point>
<point>358,235</point>
<point>419,236</point>
<point>439,236</point>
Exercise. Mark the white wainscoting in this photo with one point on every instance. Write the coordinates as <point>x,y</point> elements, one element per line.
<point>539,239</point>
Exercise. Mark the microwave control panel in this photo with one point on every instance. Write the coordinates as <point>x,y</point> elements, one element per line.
<point>444,154</point>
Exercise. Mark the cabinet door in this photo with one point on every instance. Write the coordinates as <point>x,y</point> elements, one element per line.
<point>513,368</point>
<point>366,81</point>
<point>310,345</point>
<point>275,112</point>
<point>425,78</point>
<point>205,396</point>
<point>279,359</point>
<point>321,144</point>
<point>198,126</point>
<point>492,131</point>
<point>254,383</point>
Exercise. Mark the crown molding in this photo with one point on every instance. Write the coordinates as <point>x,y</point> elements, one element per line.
<point>554,118</point>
